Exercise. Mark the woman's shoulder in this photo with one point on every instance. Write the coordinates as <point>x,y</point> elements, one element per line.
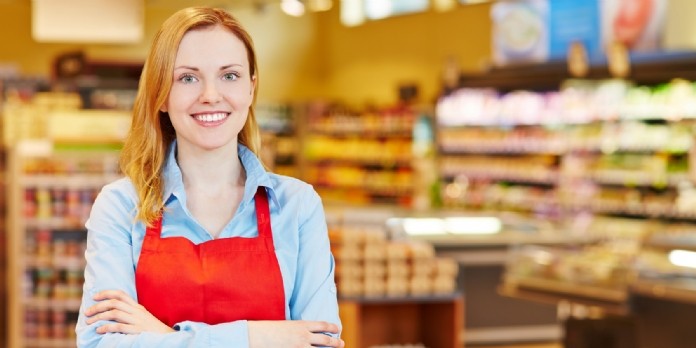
<point>288,186</point>
<point>119,191</point>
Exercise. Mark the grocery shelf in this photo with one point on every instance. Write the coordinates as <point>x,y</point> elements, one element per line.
<point>555,291</point>
<point>637,178</point>
<point>67,263</point>
<point>364,132</point>
<point>403,299</point>
<point>49,201</point>
<point>72,305</point>
<point>49,343</point>
<point>503,149</point>
<point>434,321</point>
<point>680,290</point>
<point>374,160</point>
<point>543,178</point>
<point>55,223</point>
<point>68,181</point>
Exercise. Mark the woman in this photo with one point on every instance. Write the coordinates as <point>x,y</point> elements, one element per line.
<point>199,246</point>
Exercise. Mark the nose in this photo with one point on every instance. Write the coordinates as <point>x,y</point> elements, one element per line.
<point>210,94</point>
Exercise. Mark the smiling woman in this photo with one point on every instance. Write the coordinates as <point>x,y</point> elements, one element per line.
<point>199,245</point>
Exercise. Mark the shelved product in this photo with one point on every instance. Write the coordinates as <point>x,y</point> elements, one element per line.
<point>618,174</point>
<point>59,157</point>
<point>51,195</point>
<point>595,153</point>
<point>279,125</point>
<point>369,265</point>
<point>392,293</point>
<point>12,90</point>
<point>360,158</point>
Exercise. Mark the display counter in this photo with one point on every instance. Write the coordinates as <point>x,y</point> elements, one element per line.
<point>432,321</point>
<point>664,312</point>
<point>482,250</point>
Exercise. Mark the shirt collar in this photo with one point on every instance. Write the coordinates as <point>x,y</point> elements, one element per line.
<point>256,175</point>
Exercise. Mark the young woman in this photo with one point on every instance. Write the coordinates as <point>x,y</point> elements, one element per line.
<point>200,246</point>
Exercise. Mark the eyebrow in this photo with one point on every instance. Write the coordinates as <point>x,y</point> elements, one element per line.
<point>196,69</point>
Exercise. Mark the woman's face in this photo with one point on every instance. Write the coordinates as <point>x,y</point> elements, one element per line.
<point>212,89</point>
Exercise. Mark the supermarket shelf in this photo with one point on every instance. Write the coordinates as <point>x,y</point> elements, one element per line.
<point>56,223</point>
<point>43,303</point>
<point>503,239</point>
<point>646,68</point>
<point>49,342</point>
<point>377,190</point>
<point>500,148</point>
<point>553,292</point>
<point>547,178</point>
<point>406,132</point>
<point>671,245</point>
<point>372,161</point>
<point>68,181</point>
<point>682,290</point>
<point>636,178</point>
<point>67,263</point>
<point>403,299</point>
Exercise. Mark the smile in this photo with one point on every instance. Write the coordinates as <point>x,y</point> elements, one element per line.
<point>213,117</point>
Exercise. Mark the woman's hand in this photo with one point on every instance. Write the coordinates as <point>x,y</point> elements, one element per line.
<point>293,334</point>
<point>130,317</point>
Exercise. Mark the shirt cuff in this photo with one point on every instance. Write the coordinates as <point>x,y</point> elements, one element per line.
<point>234,334</point>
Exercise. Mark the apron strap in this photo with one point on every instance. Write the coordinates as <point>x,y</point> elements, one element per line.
<point>156,229</point>
<point>263,215</point>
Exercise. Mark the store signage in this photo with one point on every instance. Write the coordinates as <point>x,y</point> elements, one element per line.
<point>541,30</point>
<point>89,21</point>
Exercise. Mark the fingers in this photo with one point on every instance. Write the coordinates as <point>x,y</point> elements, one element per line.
<point>321,326</point>
<point>114,294</point>
<point>321,340</point>
<point>113,315</point>
<point>117,328</point>
<point>108,305</point>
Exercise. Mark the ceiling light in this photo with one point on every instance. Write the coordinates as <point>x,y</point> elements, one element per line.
<point>319,5</point>
<point>444,5</point>
<point>352,12</point>
<point>293,8</point>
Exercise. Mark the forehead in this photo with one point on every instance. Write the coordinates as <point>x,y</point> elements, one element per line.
<point>211,43</point>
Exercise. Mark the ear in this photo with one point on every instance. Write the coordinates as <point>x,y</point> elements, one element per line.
<point>253,85</point>
<point>163,108</point>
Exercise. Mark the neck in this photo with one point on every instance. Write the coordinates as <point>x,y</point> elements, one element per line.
<point>211,171</point>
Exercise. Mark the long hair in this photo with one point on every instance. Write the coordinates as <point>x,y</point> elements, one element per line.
<point>151,132</point>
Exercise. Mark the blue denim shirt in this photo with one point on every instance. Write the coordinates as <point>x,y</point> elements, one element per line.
<point>301,243</point>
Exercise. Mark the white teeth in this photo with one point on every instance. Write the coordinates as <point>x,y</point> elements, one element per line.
<point>211,117</point>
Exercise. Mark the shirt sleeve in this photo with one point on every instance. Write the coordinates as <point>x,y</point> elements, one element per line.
<point>314,294</point>
<point>111,266</point>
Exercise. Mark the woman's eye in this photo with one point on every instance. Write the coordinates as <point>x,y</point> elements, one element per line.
<point>188,78</point>
<point>230,76</point>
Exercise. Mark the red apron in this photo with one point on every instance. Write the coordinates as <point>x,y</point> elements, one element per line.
<point>217,281</point>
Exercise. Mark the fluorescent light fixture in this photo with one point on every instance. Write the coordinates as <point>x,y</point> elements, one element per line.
<point>293,8</point>
<point>378,9</point>
<point>424,226</point>
<point>352,13</point>
<point>319,5</point>
<point>473,225</point>
<point>444,5</point>
<point>683,258</point>
<point>451,225</point>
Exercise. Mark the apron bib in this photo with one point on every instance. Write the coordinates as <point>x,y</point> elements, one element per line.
<point>217,281</point>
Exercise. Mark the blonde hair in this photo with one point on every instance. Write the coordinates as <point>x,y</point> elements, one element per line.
<point>151,132</point>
